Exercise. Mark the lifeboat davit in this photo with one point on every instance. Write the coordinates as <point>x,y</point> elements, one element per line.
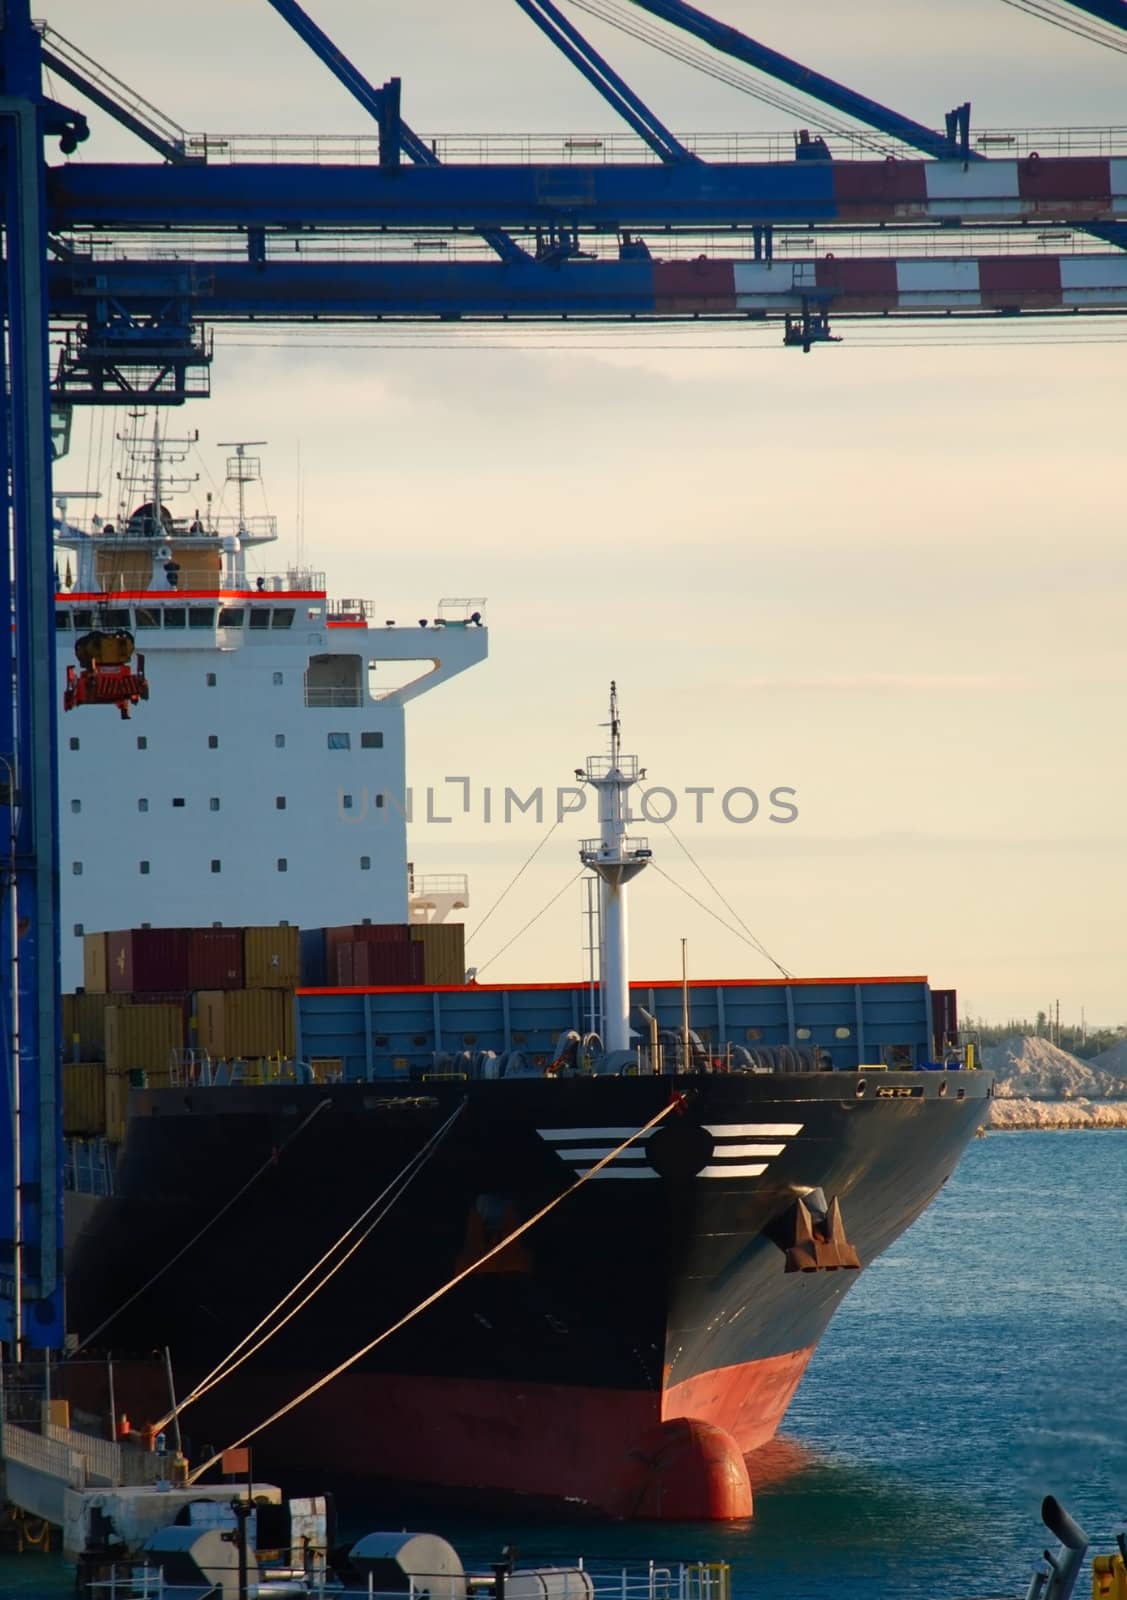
<point>106,675</point>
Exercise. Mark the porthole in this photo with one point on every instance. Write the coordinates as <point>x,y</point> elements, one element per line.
<point>861,1087</point>
<point>842,1032</point>
<point>802,1033</point>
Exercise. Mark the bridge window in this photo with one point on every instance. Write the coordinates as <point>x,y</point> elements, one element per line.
<point>282,617</point>
<point>148,617</point>
<point>231,616</point>
<point>62,619</point>
<point>201,616</point>
<point>84,619</point>
<point>175,617</point>
<point>115,618</point>
<point>260,617</point>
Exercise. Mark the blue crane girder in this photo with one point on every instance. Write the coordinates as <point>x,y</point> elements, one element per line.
<point>731,41</point>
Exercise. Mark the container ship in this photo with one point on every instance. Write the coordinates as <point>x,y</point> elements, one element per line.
<point>706,1167</point>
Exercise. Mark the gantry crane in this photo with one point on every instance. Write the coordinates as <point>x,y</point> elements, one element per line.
<point>587,231</point>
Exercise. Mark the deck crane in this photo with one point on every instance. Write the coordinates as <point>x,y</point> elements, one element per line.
<point>555,237</point>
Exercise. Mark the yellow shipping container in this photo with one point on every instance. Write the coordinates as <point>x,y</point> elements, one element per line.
<point>84,1099</point>
<point>444,951</point>
<point>94,969</point>
<point>84,1025</point>
<point>144,1036</point>
<point>117,1105</point>
<point>271,958</point>
<point>244,1023</point>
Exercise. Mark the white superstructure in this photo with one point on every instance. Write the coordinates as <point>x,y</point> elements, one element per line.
<point>264,779</point>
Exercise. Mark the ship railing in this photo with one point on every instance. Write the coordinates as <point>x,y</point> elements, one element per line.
<point>331,697</point>
<point>110,531</point>
<point>424,884</point>
<point>88,1168</point>
<point>130,1581</point>
<point>591,149</point>
<point>347,610</point>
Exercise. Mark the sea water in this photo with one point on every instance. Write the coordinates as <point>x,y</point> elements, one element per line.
<point>977,1366</point>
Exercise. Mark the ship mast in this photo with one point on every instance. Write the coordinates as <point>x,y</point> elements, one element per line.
<point>616,857</point>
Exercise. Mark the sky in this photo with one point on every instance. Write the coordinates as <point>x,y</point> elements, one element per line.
<point>888,577</point>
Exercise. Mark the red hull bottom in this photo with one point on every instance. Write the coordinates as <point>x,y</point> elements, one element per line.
<point>624,1453</point>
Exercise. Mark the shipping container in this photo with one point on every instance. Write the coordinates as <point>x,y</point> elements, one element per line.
<point>148,1037</point>
<point>444,951</point>
<point>117,1105</point>
<point>148,960</point>
<point>311,942</point>
<point>360,963</point>
<point>272,958</point>
<point>215,958</point>
<point>84,1025</point>
<point>244,1023</point>
<point>94,970</point>
<point>381,933</point>
<point>84,1099</point>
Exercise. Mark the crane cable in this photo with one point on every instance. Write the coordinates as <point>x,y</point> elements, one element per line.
<point>271,1161</point>
<point>671,44</point>
<point>393,1192</point>
<point>674,1104</point>
<point>1059,17</point>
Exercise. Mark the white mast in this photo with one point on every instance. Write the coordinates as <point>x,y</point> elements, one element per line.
<point>617,858</point>
<point>241,470</point>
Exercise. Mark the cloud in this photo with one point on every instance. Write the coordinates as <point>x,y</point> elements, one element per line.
<point>885,680</point>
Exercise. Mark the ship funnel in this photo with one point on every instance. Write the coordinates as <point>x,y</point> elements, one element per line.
<point>616,857</point>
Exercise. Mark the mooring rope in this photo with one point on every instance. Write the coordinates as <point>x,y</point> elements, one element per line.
<point>392,1192</point>
<point>271,1161</point>
<point>451,1283</point>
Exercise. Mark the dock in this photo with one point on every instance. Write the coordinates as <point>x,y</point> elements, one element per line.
<point>97,1492</point>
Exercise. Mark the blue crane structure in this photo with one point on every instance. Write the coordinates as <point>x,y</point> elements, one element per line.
<point>570,236</point>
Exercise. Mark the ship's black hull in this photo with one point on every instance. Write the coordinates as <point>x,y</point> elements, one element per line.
<point>655,1297</point>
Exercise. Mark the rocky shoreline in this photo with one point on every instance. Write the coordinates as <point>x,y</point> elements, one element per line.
<point>1011,1114</point>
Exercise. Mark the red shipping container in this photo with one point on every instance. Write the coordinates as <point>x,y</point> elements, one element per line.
<point>362,963</point>
<point>392,933</point>
<point>147,961</point>
<point>215,958</point>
